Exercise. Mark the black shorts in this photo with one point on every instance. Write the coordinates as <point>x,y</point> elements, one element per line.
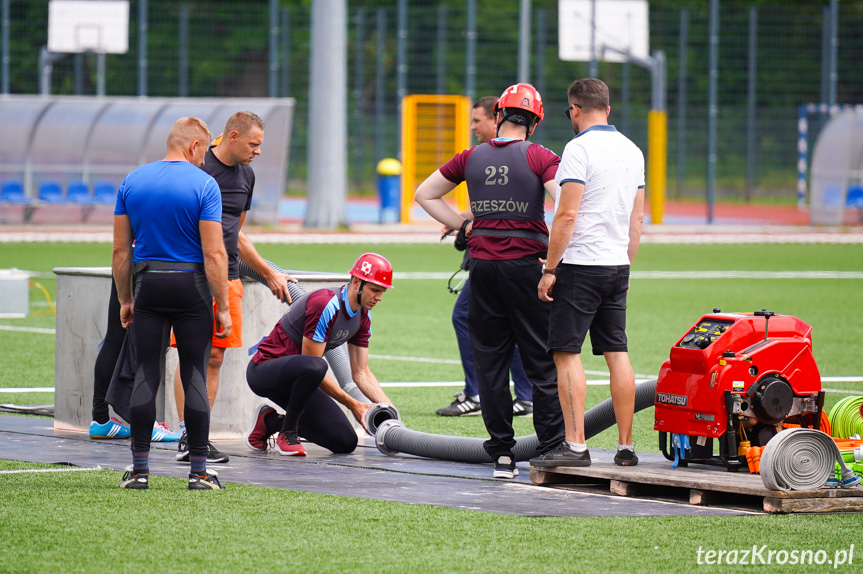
<point>589,297</point>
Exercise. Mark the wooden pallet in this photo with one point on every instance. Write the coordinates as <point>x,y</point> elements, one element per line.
<point>706,485</point>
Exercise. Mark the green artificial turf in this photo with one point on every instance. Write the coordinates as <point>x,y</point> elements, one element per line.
<point>80,521</point>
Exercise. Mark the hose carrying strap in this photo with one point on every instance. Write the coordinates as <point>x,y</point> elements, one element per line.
<point>803,459</point>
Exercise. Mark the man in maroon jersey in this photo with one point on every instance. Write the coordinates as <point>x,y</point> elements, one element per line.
<point>506,180</point>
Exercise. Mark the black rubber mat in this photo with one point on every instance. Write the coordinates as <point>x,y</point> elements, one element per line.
<point>366,473</point>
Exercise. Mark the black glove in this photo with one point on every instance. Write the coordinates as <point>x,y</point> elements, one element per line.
<point>461,238</point>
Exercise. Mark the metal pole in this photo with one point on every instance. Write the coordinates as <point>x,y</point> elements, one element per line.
<point>183,70</point>
<point>834,47</point>
<point>624,99</point>
<point>286,53</point>
<point>751,130</point>
<point>359,64</point>
<point>541,44</point>
<point>100,74</point>
<point>79,74</point>
<point>593,70</point>
<point>825,55</point>
<point>440,51</point>
<point>712,107</point>
<point>470,48</point>
<point>142,47</point>
<point>5,34</point>
<point>274,48</point>
<point>380,30</point>
<point>524,42</point>
<point>402,66</point>
<point>327,181</point>
<point>681,100</point>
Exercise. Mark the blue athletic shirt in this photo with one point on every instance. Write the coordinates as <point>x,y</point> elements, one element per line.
<point>165,200</point>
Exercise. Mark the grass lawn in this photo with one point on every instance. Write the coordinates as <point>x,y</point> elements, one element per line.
<point>80,521</point>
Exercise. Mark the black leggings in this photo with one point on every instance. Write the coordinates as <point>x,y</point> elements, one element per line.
<point>107,357</point>
<point>162,300</point>
<point>292,383</point>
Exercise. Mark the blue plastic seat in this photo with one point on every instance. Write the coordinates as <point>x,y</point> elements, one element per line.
<point>50,192</point>
<point>12,191</point>
<point>78,192</point>
<point>854,197</point>
<point>104,192</point>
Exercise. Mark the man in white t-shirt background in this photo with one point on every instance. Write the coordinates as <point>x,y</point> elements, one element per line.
<point>594,238</point>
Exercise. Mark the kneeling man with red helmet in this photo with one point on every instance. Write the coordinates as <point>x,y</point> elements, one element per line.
<point>289,368</point>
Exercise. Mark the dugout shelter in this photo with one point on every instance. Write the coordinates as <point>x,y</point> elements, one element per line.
<point>76,146</point>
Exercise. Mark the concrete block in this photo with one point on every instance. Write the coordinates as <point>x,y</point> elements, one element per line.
<point>82,308</point>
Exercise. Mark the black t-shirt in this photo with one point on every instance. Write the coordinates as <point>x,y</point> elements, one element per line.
<point>237,184</point>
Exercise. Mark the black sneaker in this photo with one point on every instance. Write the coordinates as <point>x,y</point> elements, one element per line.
<point>625,457</point>
<point>213,454</point>
<point>135,481</point>
<point>183,448</point>
<point>562,455</point>
<point>504,467</point>
<point>521,408</point>
<point>462,406</point>
<point>207,481</point>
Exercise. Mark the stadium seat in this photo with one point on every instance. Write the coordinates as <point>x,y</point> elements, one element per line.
<point>51,192</point>
<point>78,192</point>
<point>854,197</point>
<point>12,191</point>
<point>104,192</point>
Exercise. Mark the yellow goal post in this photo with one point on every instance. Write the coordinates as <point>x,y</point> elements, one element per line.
<point>434,129</point>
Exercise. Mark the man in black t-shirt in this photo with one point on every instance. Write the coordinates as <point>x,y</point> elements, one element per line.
<point>228,161</point>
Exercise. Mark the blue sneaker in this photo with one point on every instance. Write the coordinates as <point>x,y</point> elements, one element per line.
<point>163,433</point>
<point>111,429</point>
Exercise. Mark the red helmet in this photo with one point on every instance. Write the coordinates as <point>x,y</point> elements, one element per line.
<point>375,269</point>
<point>522,97</point>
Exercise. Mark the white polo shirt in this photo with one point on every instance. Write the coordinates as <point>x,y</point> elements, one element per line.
<point>611,168</point>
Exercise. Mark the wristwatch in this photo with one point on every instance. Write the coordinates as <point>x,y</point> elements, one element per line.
<point>547,271</point>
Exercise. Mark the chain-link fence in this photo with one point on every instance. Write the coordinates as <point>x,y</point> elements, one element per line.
<point>221,48</point>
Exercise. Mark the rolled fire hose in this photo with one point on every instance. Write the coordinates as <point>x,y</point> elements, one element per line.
<point>803,459</point>
<point>846,418</point>
<point>338,358</point>
<point>393,437</point>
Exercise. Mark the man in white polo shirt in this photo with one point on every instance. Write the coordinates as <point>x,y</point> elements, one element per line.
<point>593,241</point>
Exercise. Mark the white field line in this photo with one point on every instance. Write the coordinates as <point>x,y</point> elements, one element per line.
<point>708,274</point>
<point>371,234</point>
<point>28,329</point>
<point>41,470</point>
<point>596,382</point>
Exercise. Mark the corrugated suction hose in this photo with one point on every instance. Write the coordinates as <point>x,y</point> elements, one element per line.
<point>393,437</point>
<point>338,358</point>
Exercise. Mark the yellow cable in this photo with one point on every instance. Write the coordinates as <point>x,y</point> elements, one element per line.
<point>53,310</point>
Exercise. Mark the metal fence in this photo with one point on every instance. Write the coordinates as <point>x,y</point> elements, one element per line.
<point>771,60</point>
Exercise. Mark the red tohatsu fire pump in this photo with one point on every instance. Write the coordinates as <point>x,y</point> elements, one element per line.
<point>736,377</point>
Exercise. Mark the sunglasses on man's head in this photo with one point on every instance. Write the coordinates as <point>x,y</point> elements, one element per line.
<point>569,110</point>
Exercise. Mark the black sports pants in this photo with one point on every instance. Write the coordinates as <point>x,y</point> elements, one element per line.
<point>292,383</point>
<point>107,357</point>
<point>163,299</point>
<point>504,310</point>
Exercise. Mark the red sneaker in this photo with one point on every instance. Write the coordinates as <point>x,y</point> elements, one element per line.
<point>258,434</point>
<point>288,444</point>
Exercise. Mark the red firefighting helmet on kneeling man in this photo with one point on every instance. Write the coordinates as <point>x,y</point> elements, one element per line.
<point>373,268</point>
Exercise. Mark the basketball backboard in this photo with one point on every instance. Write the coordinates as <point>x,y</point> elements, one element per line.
<point>100,26</point>
<point>604,30</point>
